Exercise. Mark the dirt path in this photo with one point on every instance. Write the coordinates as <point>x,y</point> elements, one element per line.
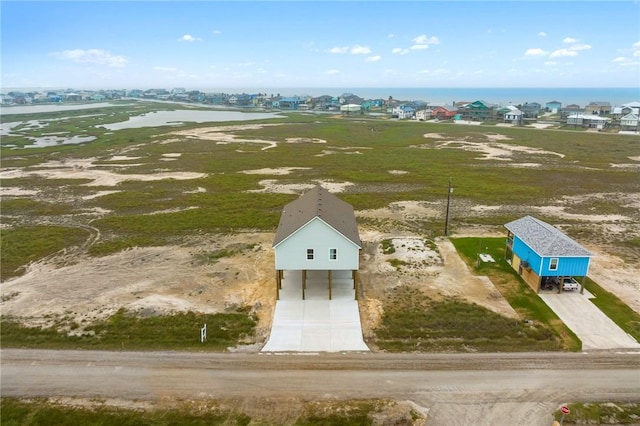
<point>479,389</point>
<point>456,280</point>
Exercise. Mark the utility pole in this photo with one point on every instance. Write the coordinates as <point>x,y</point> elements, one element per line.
<point>446,220</point>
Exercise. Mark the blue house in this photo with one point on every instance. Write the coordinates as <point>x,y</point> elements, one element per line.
<point>539,252</point>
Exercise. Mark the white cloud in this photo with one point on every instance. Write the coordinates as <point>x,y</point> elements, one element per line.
<point>399,51</point>
<point>92,56</point>
<point>375,58</point>
<point>391,35</point>
<point>435,72</point>
<point>550,63</point>
<point>189,38</point>
<point>332,72</point>
<point>217,32</point>
<point>166,69</point>
<point>636,48</point>
<point>625,62</point>
<point>535,52</point>
<point>562,53</point>
<point>360,50</point>
<point>542,34</point>
<point>340,50</point>
<point>354,50</point>
<point>423,39</point>
<point>419,47</point>
<point>569,40</point>
<point>580,47</point>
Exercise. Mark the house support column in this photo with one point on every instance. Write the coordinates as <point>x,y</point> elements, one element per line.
<point>584,280</point>
<point>354,276</point>
<point>278,283</point>
<point>330,276</point>
<point>304,282</point>
<point>538,284</point>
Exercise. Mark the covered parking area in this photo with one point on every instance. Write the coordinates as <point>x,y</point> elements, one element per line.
<point>316,323</point>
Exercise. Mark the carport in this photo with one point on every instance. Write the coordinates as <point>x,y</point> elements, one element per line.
<point>316,324</point>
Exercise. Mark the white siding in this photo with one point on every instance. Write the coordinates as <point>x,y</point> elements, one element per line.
<point>317,235</point>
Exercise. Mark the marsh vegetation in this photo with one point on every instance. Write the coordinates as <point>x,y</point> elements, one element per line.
<point>211,194</point>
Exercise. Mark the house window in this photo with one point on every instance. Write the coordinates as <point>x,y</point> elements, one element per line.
<point>333,254</point>
<point>553,264</point>
<point>309,254</point>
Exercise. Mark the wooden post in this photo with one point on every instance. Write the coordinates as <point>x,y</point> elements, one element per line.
<point>278,284</point>
<point>330,284</point>
<point>304,282</point>
<point>354,274</point>
<point>584,280</point>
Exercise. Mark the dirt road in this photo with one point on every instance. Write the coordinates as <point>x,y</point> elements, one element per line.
<point>455,389</point>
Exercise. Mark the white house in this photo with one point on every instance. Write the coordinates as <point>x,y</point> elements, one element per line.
<point>350,108</point>
<point>514,115</point>
<point>403,112</point>
<point>630,122</point>
<point>588,120</point>
<point>423,114</point>
<point>318,232</point>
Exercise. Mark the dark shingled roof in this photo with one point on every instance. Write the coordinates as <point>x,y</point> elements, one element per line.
<point>318,202</point>
<point>544,239</point>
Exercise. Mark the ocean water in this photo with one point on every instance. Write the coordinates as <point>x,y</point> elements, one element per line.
<point>446,96</point>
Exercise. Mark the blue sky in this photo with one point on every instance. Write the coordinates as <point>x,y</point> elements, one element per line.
<point>261,44</point>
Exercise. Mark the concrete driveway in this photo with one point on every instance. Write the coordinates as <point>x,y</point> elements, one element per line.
<point>316,324</point>
<point>594,328</point>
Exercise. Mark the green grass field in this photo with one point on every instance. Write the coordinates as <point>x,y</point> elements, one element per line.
<point>364,151</point>
<point>210,412</point>
<point>126,331</point>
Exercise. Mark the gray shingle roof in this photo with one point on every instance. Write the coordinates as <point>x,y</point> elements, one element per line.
<point>544,239</point>
<point>318,202</point>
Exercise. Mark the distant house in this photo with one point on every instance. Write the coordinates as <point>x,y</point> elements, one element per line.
<point>424,114</point>
<point>631,107</point>
<point>513,116</point>
<point>215,98</point>
<point>589,121</point>
<point>571,109</point>
<point>531,109</point>
<point>239,100</point>
<point>539,251</point>
<point>375,103</point>
<point>598,108</point>
<point>403,112</point>
<point>290,102</point>
<point>477,111</point>
<point>444,113</point>
<point>318,232</point>
<point>553,107</point>
<point>350,108</point>
<point>630,122</point>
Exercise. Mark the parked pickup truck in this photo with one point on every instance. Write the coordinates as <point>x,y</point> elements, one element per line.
<point>568,283</point>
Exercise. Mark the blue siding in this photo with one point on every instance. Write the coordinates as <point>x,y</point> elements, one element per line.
<point>525,254</point>
<point>567,266</point>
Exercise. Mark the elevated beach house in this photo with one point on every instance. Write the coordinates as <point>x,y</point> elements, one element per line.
<point>541,252</point>
<point>317,232</point>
